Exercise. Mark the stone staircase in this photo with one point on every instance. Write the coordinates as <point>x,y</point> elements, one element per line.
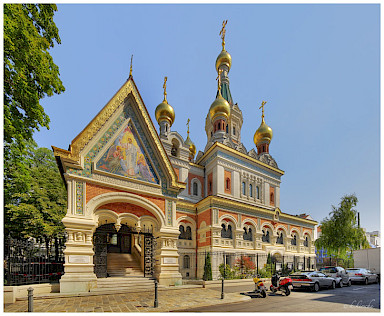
<point>122,265</point>
<point>124,284</point>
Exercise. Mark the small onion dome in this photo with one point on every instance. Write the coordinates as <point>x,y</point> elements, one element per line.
<point>263,134</point>
<point>191,145</point>
<point>219,107</point>
<point>165,112</point>
<point>223,58</point>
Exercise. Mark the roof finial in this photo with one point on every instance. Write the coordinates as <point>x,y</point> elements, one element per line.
<point>165,89</point>
<point>219,81</point>
<point>130,69</point>
<point>222,33</point>
<point>262,106</point>
<point>188,126</point>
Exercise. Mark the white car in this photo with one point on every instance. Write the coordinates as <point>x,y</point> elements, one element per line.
<point>362,275</point>
<point>341,276</point>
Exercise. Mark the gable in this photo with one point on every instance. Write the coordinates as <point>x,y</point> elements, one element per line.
<point>94,150</point>
<point>126,157</point>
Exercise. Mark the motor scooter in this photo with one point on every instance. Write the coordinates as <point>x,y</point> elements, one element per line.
<point>284,285</point>
<point>259,286</point>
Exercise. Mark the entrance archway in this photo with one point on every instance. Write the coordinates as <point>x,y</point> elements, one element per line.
<point>108,240</point>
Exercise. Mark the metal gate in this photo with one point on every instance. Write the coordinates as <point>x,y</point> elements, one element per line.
<point>149,255</point>
<point>100,245</point>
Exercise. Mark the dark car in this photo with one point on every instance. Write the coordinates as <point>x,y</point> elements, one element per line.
<point>340,275</point>
<point>313,280</point>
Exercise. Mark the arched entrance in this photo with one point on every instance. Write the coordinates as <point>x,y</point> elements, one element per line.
<point>127,240</point>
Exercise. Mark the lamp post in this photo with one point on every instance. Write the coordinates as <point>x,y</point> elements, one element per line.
<point>222,280</point>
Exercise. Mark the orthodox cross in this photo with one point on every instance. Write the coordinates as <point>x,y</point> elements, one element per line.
<point>222,33</point>
<point>188,125</point>
<point>165,88</point>
<point>262,106</point>
<point>130,69</point>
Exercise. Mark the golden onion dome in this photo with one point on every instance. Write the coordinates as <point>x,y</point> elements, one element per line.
<point>263,134</point>
<point>165,112</point>
<point>191,146</point>
<point>223,58</point>
<point>219,107</point>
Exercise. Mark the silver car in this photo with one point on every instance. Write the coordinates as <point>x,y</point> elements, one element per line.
<point>340,275</point>
<point>313,280</point>
<point>362,275</point>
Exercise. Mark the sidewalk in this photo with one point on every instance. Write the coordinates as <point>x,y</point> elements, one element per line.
<point>172,299</point>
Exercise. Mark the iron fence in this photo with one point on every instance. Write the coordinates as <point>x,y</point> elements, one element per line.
<point>218,264</point>
<point>31,261</point>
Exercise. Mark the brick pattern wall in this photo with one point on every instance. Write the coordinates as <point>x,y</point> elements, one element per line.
<point>122,207</point>
<point>177,173</point>
<point>93,190</point>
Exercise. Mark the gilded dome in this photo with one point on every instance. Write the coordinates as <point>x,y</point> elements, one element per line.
<point>263,134</point>
<point>219,107</point>
<point>223,58</point>
<point>165,112</point>
<point>191,146</point>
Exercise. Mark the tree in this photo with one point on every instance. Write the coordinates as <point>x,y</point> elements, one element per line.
<point>340,233</point>
<point>29,71</point>
<point>207,268</point>
<point>37,210</point>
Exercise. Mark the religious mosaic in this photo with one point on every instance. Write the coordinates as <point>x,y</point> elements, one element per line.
<point>126,157</point>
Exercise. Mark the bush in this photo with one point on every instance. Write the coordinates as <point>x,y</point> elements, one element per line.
<point>207,268</point>
<point>229,273</point>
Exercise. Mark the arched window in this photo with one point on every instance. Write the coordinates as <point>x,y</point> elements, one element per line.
<point>257,193</point>
<point>228,184</point>
<point>247,235</point>
<point>182,232</point>
<point>265,237</point>
<point>174,150</point>
<point>226,232</point>
<point>226,129</point>
<point>306,242</point>
<point>195,188</point>
<point>250,190</point>
<point>188,233</point>
<point>243,187</point>
<point>294,240</point>
<point>186,262</point>
<point>280,239</point>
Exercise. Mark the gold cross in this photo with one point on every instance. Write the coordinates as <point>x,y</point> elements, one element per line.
<point>165,88</point>
<point>188,125</point>
<point>262,106</point>
<point>222,33</point>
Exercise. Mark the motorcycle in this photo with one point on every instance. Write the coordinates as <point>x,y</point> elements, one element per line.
<point>284,285</point>
<point>259,286</point>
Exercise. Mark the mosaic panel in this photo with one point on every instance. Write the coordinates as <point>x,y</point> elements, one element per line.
<point>79,198</point>
<point>169,213</point>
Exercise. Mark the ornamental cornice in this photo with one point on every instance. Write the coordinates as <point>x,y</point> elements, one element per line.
<point>178,162</point>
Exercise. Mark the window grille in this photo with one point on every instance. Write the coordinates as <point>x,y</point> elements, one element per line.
<point>226,232</point>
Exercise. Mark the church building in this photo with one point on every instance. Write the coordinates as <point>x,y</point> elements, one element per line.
<point>140,201</point>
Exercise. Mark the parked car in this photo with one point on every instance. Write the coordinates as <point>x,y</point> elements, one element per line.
<point>363,275</point>
<point>312,280</point>
<point>340,275</point>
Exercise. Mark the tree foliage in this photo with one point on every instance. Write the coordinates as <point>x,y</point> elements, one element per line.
<point>40,202</point>
<point>340,233</point>
<point>29,71</point>
<point>207,268</point>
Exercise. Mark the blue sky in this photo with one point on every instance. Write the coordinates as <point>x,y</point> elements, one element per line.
<point>317,66</point>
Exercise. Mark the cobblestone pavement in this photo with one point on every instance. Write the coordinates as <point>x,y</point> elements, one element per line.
<point>169,300</point>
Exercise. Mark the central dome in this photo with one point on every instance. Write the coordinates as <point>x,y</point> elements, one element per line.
<point>219,107</point>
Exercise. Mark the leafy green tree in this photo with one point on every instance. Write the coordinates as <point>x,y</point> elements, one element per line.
<point>29,71</point>
<point>38,208</point>
<point>340,233</point>
<point>207,268</point>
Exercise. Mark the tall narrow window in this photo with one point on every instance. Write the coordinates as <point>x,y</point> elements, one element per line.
<point>272,199</point>
<point>226,129</point>
<point>306,243</point>
<point>182,232</point>
<point>250,190</point>
<point>188,233</point>
<point>243,187</point>
<point>228,184</point>
<point>257,193</point>
<point>234,130</point>
<point>186,262</point>
<point>195,188</point>
<point>294,241</point>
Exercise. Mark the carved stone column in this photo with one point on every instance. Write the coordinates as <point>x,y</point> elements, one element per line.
<point>78,268</point>
<point>167,257</point>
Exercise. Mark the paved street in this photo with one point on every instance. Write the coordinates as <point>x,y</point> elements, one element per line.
<point>357,298</point>
<point>169,300</point>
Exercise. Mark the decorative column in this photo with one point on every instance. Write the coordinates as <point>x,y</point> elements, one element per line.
<point>78,268</point>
